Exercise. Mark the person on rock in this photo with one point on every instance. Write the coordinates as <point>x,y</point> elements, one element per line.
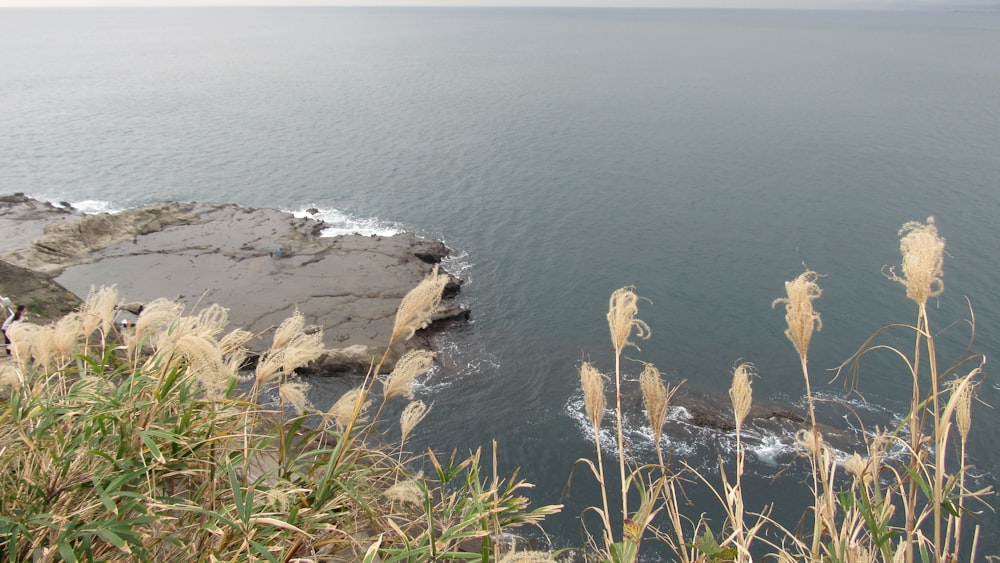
<point>17,315</point>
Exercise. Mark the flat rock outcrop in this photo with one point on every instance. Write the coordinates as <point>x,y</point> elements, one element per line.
<point>261,264</point>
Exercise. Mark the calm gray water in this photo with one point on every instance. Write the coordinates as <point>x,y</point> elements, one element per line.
<point>702,156</point>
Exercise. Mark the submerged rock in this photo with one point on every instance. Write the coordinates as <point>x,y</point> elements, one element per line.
<point>261,264</point>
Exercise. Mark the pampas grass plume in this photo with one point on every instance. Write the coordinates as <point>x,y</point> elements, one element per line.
<point>528,557</point>
<point>288,329</point>
<point>412,365</point>
<point>302,349</point>
<point>294,393</point>
<point>923,258</point>
<point>740,393</point>
<point>342,410</point>
<point>655,398</point>
<point>622,310</point>
<point>98,309</point>
<point>800,316</point>
<point>65,334</point>
<point>408,491</point>
<point>417,306</point>
<point>963,406</point>
<point>412,415</point>
<point>155,315</point>
<point>592,384</point>
<point>22,336</point>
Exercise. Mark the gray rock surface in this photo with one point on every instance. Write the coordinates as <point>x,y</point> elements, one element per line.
<point>261,264</point>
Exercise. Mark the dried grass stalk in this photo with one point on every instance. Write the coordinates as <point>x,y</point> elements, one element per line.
<point>592,383</point>
<point>622,310</point>
<point>342,410</point>
<point>408,491</point>
<point>66,334</point>
<point>740,393</point>
<point>417,306</point>
<point>412,365</point>
<point>655,398</point>
<point>288,329</point>
<point>923,257</point>
<point>302,349</point>
<point>412,415</point>
<point>799,314</point>
<point>294,393</point>
<point>98,310</point>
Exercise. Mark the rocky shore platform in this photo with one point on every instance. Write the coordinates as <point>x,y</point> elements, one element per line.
<point>261,264</point>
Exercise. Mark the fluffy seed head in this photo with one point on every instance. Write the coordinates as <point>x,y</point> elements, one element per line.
<point>655,398</point>
<point>288,329</point>
<point>859,467</point>
<point>342,410</point>
<point>740,392</point>
<point>962,394</point>
<point>622,310</point>
<point>411,417</point>
<point>212,320</point>
<point>593,393</point>
<point>302,349</point>
<point>923,258</point>
<point>22,341</point>
<point>98,310</point>
<point>528,557</point>
<point>412,365</point>
<point>408,491</point>
<point>43,346</point>
<point>155,316</point>
<point>799,314</point>
<point>294,393</point>
<point>64,338</point>
<point>234,341</point>
<point>418,305</point>
<point>10,376</point>
<point>805,440</point>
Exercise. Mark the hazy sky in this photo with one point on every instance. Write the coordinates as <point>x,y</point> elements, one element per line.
<point>759,4</point>
<point>799,4</point>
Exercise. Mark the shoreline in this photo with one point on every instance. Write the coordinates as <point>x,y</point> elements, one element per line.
<point>261,264</point>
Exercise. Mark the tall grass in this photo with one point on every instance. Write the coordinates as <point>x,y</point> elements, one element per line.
<point>151,444</point>
<point>871,505</point>
<point>158,443</point>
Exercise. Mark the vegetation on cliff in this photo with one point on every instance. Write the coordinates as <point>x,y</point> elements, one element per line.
<point>158,442</point>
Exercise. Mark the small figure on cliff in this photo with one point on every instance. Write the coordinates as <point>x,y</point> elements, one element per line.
<point>17,315</point>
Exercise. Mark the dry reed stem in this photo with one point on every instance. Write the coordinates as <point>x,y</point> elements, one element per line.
<point>799,314</point>
<point>923,257</point>
<point>418,306</point>
<point>623,306</point>
<point>595,403</point>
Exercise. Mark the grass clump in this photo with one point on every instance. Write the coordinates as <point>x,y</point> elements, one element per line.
<point>151,444</point>
<point>870,505</point>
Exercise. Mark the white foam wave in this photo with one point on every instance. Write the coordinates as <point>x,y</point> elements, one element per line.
<point>458,265</point>
<point>91,206</point>
<point>343,223</point>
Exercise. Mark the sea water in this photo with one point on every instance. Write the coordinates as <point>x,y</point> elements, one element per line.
<point>704,157</point>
